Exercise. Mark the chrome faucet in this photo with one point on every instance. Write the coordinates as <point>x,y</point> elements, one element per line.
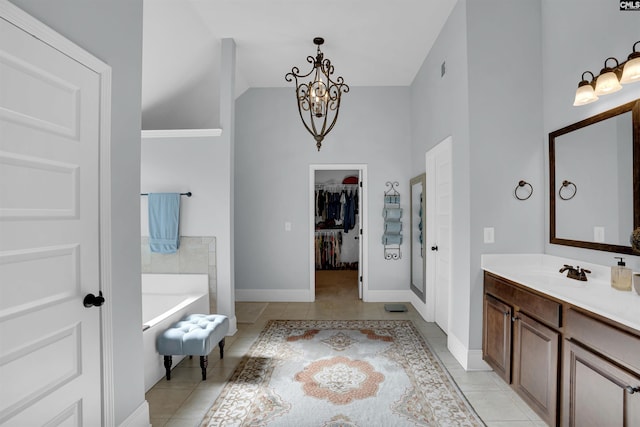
<point>575,273</point>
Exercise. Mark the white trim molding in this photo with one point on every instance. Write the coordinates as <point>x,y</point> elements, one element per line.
<point>274,295</point>
<point>139,417</point>
<point>364,221</point>
<point>471,360</point>
<point>389,296</point>
<point>180,133</point>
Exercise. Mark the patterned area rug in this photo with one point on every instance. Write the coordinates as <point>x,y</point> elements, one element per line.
<point>340,373</point>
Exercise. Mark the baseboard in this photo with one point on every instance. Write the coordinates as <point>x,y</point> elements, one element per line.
<point>387,296</point>
<point>420,307</point>
<point>139,417</point>
<point>273,295</point>
<point>233,325</point>
<point>471,360</point>
<point>476,363</point>
<point>304,295</point>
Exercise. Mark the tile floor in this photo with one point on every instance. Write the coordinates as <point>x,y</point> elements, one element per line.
<point>185,399</point>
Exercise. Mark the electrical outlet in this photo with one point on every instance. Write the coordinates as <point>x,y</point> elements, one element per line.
<point>287,226</point>
<point>489,235</point>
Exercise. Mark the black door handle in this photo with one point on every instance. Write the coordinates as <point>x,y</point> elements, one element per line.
<point>90,300</point>
<point>434,248</point>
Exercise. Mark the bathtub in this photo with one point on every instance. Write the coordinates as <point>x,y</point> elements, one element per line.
<point>167,298</point>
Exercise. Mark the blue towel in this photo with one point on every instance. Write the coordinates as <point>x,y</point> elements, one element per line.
<point>392,239</point>
<point>392,227</point>
<point>164,221</point>
<point>392,214</point>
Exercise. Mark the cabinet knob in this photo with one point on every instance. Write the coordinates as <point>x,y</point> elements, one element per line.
<point>632,390</point>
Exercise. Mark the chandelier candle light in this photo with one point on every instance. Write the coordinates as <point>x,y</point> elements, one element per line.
<point>319,99</point>
<point>610,79</point>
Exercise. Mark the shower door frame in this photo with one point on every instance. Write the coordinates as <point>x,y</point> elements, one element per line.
<point>362,223</point>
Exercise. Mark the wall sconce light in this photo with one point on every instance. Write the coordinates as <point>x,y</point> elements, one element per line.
<point>318,100</point>
<point>610,79</point>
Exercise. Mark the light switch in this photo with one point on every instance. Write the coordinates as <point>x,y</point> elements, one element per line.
<point>489,235</point>
<point>287,226</point>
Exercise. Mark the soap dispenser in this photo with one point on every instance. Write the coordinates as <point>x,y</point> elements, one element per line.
<point>621,276</point>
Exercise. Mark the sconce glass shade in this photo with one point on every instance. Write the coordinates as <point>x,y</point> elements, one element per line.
<point>585,95</point>
<point>631,71</point>
<point>608,82</point>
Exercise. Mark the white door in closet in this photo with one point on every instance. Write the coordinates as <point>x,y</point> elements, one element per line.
<point>438,237</point>
<point>50,354</point>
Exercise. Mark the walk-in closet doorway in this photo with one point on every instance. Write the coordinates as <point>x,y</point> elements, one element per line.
<point>338,240</point>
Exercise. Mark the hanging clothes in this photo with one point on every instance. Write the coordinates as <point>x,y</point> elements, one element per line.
<point>328,247</point>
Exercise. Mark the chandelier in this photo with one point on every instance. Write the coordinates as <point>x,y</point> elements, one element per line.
<point>319,99</point>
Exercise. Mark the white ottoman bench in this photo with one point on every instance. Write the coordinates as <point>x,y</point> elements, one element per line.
<point>195,335</point>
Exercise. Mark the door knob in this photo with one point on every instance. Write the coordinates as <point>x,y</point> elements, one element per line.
<point>434,248</point>
<point>90,300</point>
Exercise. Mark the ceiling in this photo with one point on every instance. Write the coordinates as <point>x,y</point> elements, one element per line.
<point>369,42</point>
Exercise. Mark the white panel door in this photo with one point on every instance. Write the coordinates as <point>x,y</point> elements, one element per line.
<point>438,219</point>
<point>50,354</point>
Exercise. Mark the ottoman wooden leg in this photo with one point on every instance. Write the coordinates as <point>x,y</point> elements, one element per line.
<point>204,362</point>
<point>167,366</point>
<point>221,345</point>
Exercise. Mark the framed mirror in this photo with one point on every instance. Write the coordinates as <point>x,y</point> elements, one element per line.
<point>417,228</point>
<point>594,180</point>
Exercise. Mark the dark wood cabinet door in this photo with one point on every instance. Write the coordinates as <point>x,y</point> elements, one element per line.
<point>496,336</point>
<point>535,366</point>
<point>596,392</point>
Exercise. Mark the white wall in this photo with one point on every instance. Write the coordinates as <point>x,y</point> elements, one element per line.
<point>92,25</point>
<point>181,164</point>
<point>603,31</point>
<point>273,153</point>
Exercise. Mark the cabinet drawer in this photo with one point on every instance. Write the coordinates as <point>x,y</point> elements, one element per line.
<point>607,340</point>
<point>534,305</point>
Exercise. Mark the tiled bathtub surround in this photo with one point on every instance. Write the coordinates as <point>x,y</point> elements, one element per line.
<point>196,255</point>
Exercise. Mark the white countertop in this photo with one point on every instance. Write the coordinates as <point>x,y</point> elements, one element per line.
<point>540,272</point>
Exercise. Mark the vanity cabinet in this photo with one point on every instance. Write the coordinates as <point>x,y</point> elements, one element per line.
<point>601,380</point>
<point>521,342</point>
<point>536,351</point>
<point>573,367</point>
<point>496,336</point>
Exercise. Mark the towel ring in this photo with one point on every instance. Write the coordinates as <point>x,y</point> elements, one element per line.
<point>522,184</point>
<point>566,184</point>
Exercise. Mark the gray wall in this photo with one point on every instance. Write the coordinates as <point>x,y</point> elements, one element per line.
<point>497,139</point>
<point>112,31</point>
<point>506,143</point>
<point>439,108</point>
<point>566,54</point>
<point>273,152</point>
